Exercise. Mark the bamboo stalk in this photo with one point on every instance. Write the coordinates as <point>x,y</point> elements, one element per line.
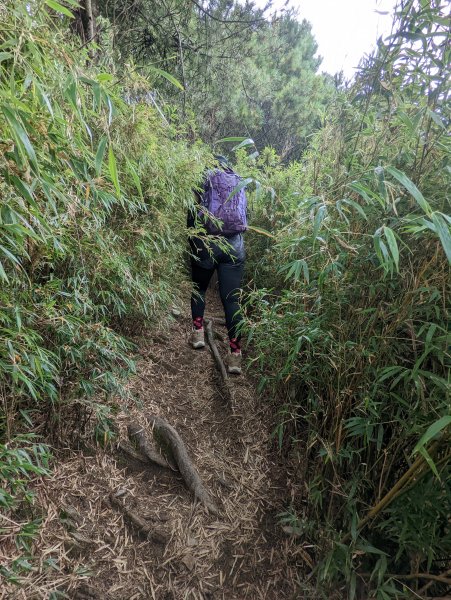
<point>415,469</point>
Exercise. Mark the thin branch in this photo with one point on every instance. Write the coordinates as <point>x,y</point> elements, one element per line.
<point>206,12</point>
<point>429,576</point>
<point>431,582</point>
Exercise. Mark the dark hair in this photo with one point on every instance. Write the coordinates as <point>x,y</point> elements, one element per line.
<point>222,160</point>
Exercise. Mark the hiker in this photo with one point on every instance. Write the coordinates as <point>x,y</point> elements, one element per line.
<point>224,217</point>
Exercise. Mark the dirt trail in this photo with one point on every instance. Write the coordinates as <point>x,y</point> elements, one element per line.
<point>240,554</point>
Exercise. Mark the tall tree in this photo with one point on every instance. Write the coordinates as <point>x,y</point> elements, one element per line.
<point>242,72</point>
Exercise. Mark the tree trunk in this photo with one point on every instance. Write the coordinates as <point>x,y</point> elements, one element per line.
<point>90,20</point>
<point>84,24</point>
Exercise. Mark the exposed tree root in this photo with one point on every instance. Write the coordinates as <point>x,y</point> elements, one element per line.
<point>128,449</point>
<point>145,529</point>
<point>137,434</point>
<point>218,360</point>
<point>167,435</point>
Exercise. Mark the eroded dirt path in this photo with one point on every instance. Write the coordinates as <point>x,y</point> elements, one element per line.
<point>240,554</point>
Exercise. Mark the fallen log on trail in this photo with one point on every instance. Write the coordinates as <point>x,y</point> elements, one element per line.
<point>145,529</point>
<point>137,434</point>
<point>167,435</point>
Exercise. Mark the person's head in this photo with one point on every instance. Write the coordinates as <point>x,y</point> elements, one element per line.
<point>222,161</point>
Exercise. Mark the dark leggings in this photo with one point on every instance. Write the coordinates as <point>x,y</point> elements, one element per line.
<point>230,273</point>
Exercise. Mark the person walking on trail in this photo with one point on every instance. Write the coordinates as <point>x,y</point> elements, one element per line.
<point>223,215</point>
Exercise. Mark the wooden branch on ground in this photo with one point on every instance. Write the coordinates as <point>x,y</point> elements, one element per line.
<point>425,587</point>
<point>151,533</point>
<point>169,436</point>
<point>137,434</point>
<point>428,576</point>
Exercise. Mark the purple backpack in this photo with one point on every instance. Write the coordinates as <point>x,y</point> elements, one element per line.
<point>230,210</point>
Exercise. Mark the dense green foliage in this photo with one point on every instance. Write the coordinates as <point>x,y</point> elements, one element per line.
<point>352,293</point>
<point>94,194</point>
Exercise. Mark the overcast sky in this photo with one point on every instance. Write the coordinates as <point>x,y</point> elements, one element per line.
<point>345,30</point>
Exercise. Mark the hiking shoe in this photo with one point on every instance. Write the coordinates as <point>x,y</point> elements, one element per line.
<point>233,362</point>
<point>197,338</point>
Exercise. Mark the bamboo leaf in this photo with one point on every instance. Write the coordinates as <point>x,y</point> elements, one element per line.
<point>258,190</point>
<point>59,8</point>
<point>231,139</point>
<point>357,206</point>
<point>44,99</point>
<point>71,91</point>
<point>367,194</point>
<point>169,78</point>
<point>105,77</point>
<point>246,142</point>
<point>392,244</point>
<point>428,458</point>
<point>24,190</point>
<point>443,232</point>
<point>381,251</point>
<point>9,255</point>
<point>319,217</point>
<point>437,119</point>
<point>113,170</point>
<point>3,273</point>
<point>20,134</point>
<point>411,188</point>
<point>5,56</point>
<point>239,187</point>
<point>352,586</point>
<point>431,432</point>
<point>135,178</point>
<point>100,154</point>
<point>368,548</point>
<point>261,231</point>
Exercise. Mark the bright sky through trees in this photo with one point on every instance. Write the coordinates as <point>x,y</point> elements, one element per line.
<point>344,29</point>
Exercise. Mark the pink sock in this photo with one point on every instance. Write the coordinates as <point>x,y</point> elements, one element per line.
<point>198,323</point>
<point>235,345</point>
